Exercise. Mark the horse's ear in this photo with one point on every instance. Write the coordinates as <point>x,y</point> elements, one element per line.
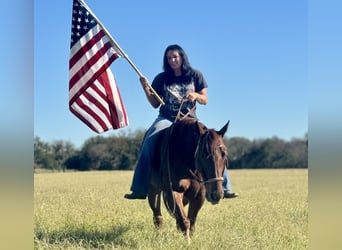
<point>223,130</point>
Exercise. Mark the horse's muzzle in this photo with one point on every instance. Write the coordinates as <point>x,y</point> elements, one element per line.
<point>214,197</point>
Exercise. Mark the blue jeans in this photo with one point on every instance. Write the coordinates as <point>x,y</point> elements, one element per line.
<point>142,173</point>
<point>226,181</point>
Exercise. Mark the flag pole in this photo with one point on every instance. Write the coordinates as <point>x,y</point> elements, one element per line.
<point>122,52</point>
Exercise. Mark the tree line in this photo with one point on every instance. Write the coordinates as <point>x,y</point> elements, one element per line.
<point>120,152</point>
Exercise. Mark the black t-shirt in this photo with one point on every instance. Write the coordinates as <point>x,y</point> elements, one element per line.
<point>173,90</point>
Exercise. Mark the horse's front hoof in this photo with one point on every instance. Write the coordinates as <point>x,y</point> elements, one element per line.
<point>158,221</point>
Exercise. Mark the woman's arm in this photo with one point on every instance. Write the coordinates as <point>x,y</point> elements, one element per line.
<point>201,96</point>
<point>150,96</point>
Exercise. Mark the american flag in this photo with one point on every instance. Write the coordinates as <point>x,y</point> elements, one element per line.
<point>93,94</point>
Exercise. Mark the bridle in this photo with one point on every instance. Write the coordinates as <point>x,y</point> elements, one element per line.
<point>197,154</point>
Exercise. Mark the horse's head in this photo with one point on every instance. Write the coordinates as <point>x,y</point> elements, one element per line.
<point>211,157</point>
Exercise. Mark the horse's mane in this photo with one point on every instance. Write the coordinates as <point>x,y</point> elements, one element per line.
<point>184,135</point>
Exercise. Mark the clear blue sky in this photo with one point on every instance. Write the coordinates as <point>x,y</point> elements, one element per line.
<point>253,54</point>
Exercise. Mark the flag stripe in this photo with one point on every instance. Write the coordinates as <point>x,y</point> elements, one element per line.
<point>91,113</point>
<point>86,117</point>
<point>84,54</point>
<point>86,43</point>
<point>115,101</point>
<point>88,64</point>
<point>93,110</point>
<point>95,100</point>
<point>98,92</point>
<point>87,78</point>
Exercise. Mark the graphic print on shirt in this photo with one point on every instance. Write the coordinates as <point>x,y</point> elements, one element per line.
<point>174,94</point>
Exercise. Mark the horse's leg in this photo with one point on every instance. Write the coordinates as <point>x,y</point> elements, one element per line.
<point>194,206</point>
<point>154,201</point>
<point>182,221</point>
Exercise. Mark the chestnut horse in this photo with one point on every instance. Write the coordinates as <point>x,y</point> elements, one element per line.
<point>188,168</point>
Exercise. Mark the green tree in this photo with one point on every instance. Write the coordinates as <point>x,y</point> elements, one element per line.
<point>43,156</point>
<point>61,151</point>
<point>237,148</point>
<point>121,151</point>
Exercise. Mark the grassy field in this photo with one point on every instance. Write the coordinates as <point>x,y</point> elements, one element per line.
<point>86,210</point>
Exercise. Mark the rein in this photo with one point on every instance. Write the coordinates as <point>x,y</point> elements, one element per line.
<point>181,116</point>
<point>207,181</point>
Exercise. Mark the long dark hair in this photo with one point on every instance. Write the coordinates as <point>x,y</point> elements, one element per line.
<point>186,67</point>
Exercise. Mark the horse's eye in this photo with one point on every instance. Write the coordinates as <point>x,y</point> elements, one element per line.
<point>224,154</point>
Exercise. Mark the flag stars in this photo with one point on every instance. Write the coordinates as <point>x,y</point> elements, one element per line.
<point>82,22</point>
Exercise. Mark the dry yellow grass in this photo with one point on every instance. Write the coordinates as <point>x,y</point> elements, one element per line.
<point>86,210</point>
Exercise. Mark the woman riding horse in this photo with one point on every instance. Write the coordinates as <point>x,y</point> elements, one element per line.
<point>177,82</point>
